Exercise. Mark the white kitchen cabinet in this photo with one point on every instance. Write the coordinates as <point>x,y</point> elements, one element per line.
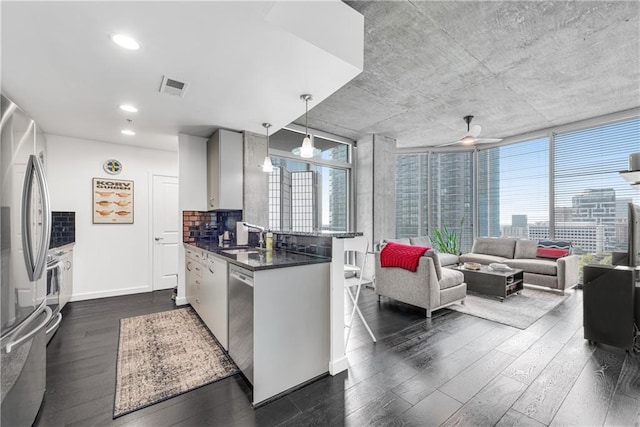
<point>193,277</point>
<point>206,290</point>
<point>66,289</point>
<point>225,170</point>
<point>214,297</point>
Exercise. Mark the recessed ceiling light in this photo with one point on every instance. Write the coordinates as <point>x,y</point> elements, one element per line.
<point>125,42</point>
<point>129,108</point>
<point>128,132</point>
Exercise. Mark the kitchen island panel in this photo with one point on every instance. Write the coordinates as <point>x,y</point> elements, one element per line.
<point>291,328</point>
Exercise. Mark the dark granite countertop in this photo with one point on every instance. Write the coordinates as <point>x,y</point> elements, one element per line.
<point>262,259</point>
<point>336,234</point>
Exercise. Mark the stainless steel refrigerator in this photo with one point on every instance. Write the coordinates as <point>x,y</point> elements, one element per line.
<point>25,231</point>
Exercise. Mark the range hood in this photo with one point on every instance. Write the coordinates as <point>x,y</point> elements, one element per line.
<point>633,174</point>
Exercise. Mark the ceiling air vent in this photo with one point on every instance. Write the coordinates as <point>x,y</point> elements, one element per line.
<point>173,87</point>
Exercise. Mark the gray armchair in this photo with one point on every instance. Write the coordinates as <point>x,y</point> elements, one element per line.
<point>430,287</point>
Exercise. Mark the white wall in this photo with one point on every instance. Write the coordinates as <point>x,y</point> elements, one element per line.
<point>192,164</point>
<point>109,259</point>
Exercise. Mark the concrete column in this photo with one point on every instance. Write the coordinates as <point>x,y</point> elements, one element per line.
<point>376,190</point>
<point>256,182</point>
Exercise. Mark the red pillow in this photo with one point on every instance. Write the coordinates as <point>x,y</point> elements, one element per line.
<point>551,253</point>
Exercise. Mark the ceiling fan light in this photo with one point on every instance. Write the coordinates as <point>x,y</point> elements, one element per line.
<point>468,140</point>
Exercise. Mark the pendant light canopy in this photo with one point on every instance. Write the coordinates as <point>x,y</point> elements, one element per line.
<point>306,150</point>
<point>267,166</point>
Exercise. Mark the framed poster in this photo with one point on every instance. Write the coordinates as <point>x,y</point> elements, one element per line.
<point>112,201</point>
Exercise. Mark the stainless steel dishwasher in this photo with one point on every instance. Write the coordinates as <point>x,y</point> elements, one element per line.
<point>241,319</point>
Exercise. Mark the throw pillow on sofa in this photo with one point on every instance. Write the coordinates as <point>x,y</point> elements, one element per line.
<point>553,249</point>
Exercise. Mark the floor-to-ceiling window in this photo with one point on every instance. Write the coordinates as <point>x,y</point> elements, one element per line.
<point>589,204</point>
<point>590,197</point>
<point>309,194</point>
<point>434,191</point>
<point>513,189</point>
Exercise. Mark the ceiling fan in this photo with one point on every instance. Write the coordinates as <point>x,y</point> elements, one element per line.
<point>471,137</point>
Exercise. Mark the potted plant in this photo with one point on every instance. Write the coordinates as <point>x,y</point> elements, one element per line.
<point>446,240</point>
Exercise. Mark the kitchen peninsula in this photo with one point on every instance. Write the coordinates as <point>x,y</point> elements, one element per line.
<point>273,310</point>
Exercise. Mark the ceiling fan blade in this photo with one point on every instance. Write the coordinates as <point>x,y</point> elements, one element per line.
<point>487,140</point>
<point>448,143</point>
<point>475,130</point>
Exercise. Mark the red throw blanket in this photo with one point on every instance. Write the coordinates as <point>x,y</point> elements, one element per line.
<point>401,256</point>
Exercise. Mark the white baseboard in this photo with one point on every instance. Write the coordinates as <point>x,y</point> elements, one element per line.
<point>181,301</point>
<point>338,365</point>
<point>111,293</point>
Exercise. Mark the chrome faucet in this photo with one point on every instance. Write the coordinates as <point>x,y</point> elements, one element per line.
<point>262,231</point>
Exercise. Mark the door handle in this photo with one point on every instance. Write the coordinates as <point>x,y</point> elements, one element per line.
<point>12,344</point>
<point>35,262</point>
<point>158,238</point>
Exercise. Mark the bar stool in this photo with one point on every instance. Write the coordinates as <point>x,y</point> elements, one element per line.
<point>355,250</point>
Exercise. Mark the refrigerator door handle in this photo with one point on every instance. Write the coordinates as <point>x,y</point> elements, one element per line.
<point>45,237</point>
<point>35,262</point>
<point>27,248</point>
<point>34,331</point>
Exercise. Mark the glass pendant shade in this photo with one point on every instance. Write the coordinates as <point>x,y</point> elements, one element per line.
<point>306,150</point>
<point>267,166</point>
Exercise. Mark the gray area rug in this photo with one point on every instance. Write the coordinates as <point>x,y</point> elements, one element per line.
<point>165,354</point>
<point>519,311</point>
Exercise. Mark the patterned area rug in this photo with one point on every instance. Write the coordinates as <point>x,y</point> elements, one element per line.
<point>519,311</point>
<point>165,354</point>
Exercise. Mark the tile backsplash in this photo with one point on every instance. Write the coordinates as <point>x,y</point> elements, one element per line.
<point>63,228</point>
<point>200,226</point>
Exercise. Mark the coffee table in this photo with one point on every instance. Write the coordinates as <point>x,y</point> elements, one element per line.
<point>495,283</point>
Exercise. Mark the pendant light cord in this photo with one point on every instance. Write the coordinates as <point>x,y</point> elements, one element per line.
<point>306,116</point>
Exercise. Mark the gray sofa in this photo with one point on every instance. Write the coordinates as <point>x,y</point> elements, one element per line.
<point>430,286</point>
<point>445,259</point>
<point>560,274</point>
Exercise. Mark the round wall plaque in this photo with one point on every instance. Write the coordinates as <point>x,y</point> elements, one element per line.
<point>112,167</point>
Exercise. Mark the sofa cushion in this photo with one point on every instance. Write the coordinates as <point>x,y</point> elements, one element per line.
<point>450,278</point>
<point>481,258</point>
<point>556,244</point>
<point>525,249</point>
<point>551,253</point>
<point>404,241</point>
<point>501,247</point>
<point>447,259</point>
<point>421,241</point>
<point>436,262</point>
<point>538,266</point>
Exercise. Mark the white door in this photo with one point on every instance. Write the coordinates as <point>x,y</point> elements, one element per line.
<point>166,232</point>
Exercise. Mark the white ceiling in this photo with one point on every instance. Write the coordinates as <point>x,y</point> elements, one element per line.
<point>246,63</point>
<point>517,66</point>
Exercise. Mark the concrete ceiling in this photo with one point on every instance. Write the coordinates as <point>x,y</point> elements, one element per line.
<point>245,62</point>
<point>517,66</point>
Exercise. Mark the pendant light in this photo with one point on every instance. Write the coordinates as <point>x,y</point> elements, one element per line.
<point>267,166</point>
<point>306,150</point>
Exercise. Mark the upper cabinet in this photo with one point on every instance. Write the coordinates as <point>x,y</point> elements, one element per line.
<point>224,170</point>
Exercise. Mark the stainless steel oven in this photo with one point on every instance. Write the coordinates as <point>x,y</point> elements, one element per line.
<point>55,277</point>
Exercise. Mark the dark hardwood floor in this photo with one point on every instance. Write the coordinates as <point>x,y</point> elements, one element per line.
<point>453,369</point>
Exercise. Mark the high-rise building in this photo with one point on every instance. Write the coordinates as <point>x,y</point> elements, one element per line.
<point>586,237</point>
<point>489,193</point>
<point>599,206</point>
<point>411,195</point>
<point>519,221</point>
<point>451,195</point>
<point>338,191</point>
